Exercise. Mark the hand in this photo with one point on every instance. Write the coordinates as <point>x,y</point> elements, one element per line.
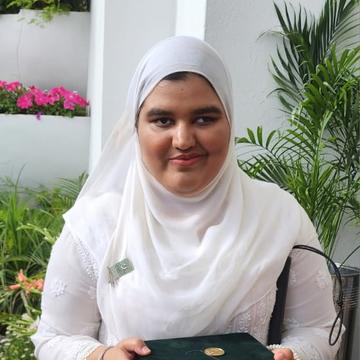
<point>127,349</point>
<point>283,354</point>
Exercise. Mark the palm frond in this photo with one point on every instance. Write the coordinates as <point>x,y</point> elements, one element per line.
<point>317,157</point>
<point>307,42</point>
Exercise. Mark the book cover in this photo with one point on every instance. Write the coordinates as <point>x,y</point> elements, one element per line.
<point>235,346</point>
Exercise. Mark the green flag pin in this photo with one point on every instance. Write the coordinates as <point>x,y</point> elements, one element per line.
<point>119,269</point>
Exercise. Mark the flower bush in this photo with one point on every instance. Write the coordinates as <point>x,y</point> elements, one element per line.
<point>30,222</point>
<point>26,284</point>
<point>16,343</point>
<point>15,98</point>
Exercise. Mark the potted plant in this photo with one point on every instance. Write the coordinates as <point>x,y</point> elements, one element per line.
<point>46,9</point>
<point>45,131</point>
<point>15,98</point>
<point>55,52</point>
<point>317,156</point>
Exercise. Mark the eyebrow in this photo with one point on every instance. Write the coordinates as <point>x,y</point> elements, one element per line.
<point>158,112</point>
<point>208,110</point>
<point>200,111</point>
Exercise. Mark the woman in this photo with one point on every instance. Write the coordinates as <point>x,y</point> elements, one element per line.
<point>170,239</point>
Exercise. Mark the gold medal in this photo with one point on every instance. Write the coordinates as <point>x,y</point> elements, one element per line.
<point>214,351</point>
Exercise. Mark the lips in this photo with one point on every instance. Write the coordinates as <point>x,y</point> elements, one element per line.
<point>186,159</point>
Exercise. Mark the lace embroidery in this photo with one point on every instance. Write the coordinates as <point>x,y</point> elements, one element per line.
<point>47,331</point>
<point>262,315</point>
<point>322,280</point>
<point>322,333</point>
<point>292,278</point>
<point>312,351</point>
<point>92,292</point>
<point>55,341</point>
<point>241,323</point>
<point>45,328</point>
<point>87,261</point>
<point>303,347</point>
<point>73,350</point>
<point>58,287</point>
<point>256,319</point>
<point>291,323</point>
<point>86,350</point>
<point>91,330</point>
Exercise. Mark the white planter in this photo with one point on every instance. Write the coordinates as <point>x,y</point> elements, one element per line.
<point>49,148</point>
<point>52,55</point>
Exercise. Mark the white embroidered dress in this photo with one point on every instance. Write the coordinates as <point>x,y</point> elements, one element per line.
<point>71,325</point>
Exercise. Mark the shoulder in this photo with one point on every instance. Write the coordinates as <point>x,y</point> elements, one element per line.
<point>273,204</point>
<point>92,221</point>
<point>267,194</point>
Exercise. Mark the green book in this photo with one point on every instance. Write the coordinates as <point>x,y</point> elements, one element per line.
<point>236,346</point>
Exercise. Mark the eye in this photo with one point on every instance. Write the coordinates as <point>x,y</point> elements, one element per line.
<point>163,122</point>
<point>205,120</point>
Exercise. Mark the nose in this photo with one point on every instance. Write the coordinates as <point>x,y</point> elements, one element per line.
<point>183,137</point>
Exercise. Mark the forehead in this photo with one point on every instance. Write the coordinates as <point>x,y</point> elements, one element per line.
<point>192,90</point>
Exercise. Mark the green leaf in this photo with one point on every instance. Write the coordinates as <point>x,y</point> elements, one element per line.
<point>251,136</point>
<point>259,135</point>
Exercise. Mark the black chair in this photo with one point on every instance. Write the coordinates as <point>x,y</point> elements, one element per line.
<point>277,317</point>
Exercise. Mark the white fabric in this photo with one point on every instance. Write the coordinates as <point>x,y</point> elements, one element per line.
<point>71,325</point>
<point>200,262</point>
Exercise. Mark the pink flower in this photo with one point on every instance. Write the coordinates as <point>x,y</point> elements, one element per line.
<point>24,101</point>
<point>29,285</point>
<point>57,100</point>
<point>53,98</point>
<point>38,284</point>
<point>80,100</point>
<point>41,99</point>
<point>58,91</point>
<point>20,276</point>
<point>14,287</point>
<point>13,86</point>
<point>69,105</point>
<point>34,90</point>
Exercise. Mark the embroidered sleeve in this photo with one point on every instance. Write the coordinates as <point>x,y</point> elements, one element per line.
<point>310,311</point>
<point>70,320</point>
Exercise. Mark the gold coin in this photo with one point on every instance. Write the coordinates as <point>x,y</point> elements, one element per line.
<point>214,351</point>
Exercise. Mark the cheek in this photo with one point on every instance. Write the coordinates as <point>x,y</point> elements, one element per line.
<point>217,142</point>
<point>154,150</point>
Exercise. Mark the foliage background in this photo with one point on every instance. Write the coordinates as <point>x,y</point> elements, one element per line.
<point>317,156</point>
<point>30,222</point>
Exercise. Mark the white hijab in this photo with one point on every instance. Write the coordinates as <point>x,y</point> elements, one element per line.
<point>196,259</point>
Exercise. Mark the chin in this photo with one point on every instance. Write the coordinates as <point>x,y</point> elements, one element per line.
<point>185,189</point>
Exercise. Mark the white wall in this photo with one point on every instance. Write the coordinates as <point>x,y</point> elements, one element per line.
<point>241,32</point>
<point>191,18</point>
<point>53,55</point>
<point>131,28</point>
<point>46,149</point>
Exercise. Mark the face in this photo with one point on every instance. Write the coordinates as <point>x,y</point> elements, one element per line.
<point>183,134</point>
